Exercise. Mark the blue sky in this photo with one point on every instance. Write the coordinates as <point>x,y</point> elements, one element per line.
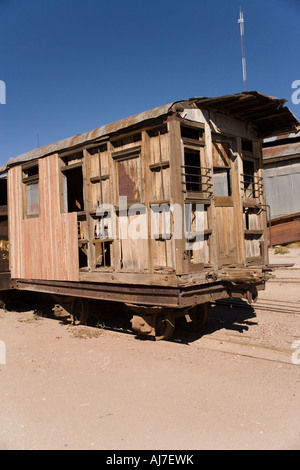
<point>73,65</point>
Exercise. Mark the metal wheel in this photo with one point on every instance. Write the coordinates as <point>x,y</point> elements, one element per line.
<point>198,315</point>
<point>164,325</point>
<point>80,311</point>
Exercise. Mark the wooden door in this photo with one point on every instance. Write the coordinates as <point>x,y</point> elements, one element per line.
<point>224,201</point>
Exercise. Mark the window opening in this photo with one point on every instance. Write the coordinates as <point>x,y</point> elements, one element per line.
<point>83,255</point>
<point>73,189</point>
<point>247,146</point>
<point>194,133</point>
<point>247,221</point>
<point>102,241</point>
<point>82,242</point>
<point>157,130</point>
<point>31,184</point>
<point>192,170</point>
<point>103,254</point>
<point>3,191</point>
<point>126,140</point>
<point>249,178</point>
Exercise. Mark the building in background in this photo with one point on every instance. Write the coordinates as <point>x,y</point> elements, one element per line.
<point>281,157</point>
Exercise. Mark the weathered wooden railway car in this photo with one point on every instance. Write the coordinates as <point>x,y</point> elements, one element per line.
<point>164,211</point>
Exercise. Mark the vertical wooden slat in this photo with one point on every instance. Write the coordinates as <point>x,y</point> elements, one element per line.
<point>176,195</point>
<point>238,198</point>
<point>15,220</point>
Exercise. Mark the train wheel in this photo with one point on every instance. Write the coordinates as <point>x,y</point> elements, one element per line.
<point>198,316</point>
<point>80,311</point>
<point>164,325</point>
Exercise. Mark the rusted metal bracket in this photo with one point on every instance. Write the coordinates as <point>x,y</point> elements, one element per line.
<point>252,294</point>
<point>74,308</point>
<point>60,312</point>
<point>144,325</point>
<point>154,322</point>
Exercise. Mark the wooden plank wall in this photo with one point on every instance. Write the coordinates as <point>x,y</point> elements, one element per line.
<point>159,192</point>
<point>136,167</point>
<point>226,234</point>
<point>149,161</point>
<point>43,247</point>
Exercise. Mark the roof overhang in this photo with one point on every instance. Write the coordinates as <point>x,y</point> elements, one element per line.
<point>267,114</point>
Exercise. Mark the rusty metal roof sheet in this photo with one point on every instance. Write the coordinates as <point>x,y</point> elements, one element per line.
<point>90,136</point>
<point>289,136</point>
<point>267,114</point>
<point>283,151</point>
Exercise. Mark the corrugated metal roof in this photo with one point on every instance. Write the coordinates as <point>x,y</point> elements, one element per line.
<point>267,114</point>
<point>90,136</point>
<point>276,138</point>
<point>284,151</point>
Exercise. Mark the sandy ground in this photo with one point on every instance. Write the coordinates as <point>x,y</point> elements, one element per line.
<point>235,386</point>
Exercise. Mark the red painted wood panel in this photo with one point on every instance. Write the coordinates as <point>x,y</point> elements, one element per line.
<point>43,247</point>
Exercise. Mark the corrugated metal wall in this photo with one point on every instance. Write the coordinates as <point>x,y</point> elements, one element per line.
<point>282,187</point>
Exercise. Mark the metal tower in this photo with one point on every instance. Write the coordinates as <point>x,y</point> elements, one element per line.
<point>241,21</point>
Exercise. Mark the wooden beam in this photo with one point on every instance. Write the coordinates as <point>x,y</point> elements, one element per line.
<point>181,264</point>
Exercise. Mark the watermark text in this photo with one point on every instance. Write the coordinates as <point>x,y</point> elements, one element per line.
<point>2,92</point>
<point>296,94</point>
<point>2,352</point>
<point>159,221</point>
<point>296,353</point>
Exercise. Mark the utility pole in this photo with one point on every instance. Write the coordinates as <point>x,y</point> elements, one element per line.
<point>241,21</point>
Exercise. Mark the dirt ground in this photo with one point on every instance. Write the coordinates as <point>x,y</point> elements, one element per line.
<point>234,386</point>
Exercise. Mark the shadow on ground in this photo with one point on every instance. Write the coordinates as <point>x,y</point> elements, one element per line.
<point>230,314</point>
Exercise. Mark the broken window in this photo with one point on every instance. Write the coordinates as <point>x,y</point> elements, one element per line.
<point>82,241</point>
<point>194,133</point>
<point>195,174</point>
<point>72,184</point>
<point>103,231</point>
<point>126,140</point>
<point>251,182</point>
<point>3,191</point>
<point>103,254</point>
<point>249,178</point>
<point>192,170</point>
<point>247,146</point>
<point>31,187</point>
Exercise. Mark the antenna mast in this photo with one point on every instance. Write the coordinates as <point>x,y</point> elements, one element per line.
<point>241,21</point>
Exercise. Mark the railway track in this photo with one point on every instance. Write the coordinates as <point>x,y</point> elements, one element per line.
<point>278,306</point>
<point>252,350</point>
<point>271,338</point>
<point>266,304</point>
<point>280,280</point>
